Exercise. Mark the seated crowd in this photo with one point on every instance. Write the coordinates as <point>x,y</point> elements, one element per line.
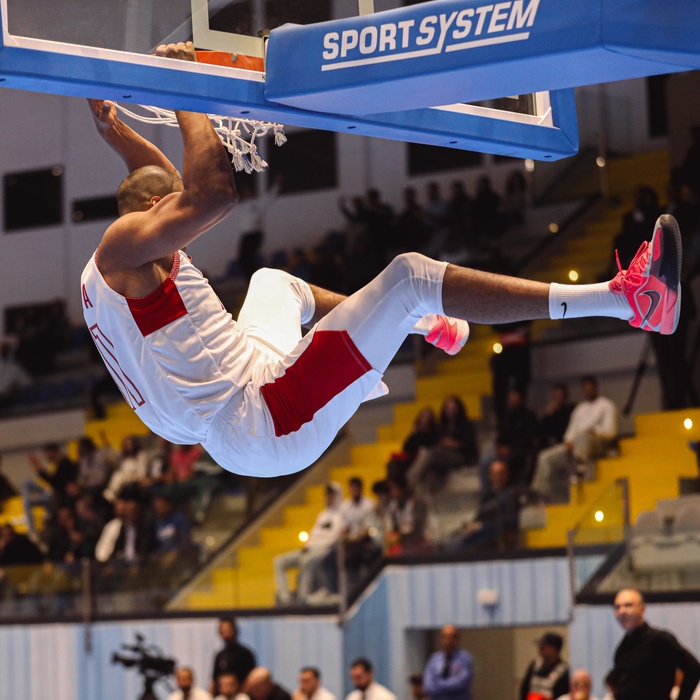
<point>532,459</point>
<point>116,508</point>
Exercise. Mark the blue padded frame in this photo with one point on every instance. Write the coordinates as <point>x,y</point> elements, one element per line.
<point>42,66</point>
<point>471,50</point>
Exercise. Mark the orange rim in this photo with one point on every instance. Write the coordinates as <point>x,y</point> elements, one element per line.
<point>231,60</point>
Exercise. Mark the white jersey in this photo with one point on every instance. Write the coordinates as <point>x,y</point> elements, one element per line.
<point>176,355</point>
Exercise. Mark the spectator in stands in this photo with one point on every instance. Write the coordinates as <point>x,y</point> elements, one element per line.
<point>455,448</point>
<point>362,547</point>
<point>381,525</point>
<point>132,466</point>
<point>13,377</point>
<point>299,264</point>
<point>412,231</point>
<point>323,537</point>
<point>515,199</point>
<point>128,537</point>
<point>486,208</point>
<point>366,688</point>
<point>437,216</point>
<point>229,688</point>
<point>556,417</point>
<point>510,368</point>
<point>65,540</point>
<point>157,468</point>
<point>688,173</point>
<point>591,432</point>
<point>185,484</point>
<point>187,690</point>
<point>496,522</point>
<point>58,471</point>
<point>581,686</point>
<point>172,530</point>
<point>425,432</point>
<point>234,658</point>
<point>646,660</point>
<point>459,208</point>
<point>635,222</point>
<point>408,519</point>
<point>261,686</point>
<point>515,443</point>
<point>449,673</point>
<point>310,687</point>
<point>94,465</point>
<point>16,549</point>
<point>7,490</point>
<point>89,519</point>
<point>548,675</point>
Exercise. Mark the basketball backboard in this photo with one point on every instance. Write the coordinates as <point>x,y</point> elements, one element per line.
<point>101,48</point>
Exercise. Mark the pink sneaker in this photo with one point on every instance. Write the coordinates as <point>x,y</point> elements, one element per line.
<point>449,334</point>
<point>652,283</point>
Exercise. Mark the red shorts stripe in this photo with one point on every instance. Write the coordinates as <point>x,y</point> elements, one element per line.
<point>329,364</point>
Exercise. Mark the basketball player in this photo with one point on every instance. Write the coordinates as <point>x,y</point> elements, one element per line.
<point>261,399</point>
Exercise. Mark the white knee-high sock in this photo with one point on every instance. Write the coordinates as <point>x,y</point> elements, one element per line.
<point>584,300</point>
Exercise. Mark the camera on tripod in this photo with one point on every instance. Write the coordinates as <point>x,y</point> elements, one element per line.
<point>149,662</point>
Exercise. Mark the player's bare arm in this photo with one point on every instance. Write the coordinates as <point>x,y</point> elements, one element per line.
<point>134,150</point>
<point>134,243</point>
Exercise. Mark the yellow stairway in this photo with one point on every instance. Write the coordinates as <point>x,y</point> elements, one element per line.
<point>653,461</point>
<point>248,583</point>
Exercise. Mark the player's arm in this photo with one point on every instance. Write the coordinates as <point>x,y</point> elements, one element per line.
<point>171,223</point>
<point>132,148</point>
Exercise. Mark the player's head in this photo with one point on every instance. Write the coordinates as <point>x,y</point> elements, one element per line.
<point>550,646</point>
<point>145,186</point>
<point>228,630</point>
<point>228,685</point>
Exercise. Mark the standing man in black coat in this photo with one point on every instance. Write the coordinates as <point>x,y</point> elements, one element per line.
<point>646,659</point>
<point>234,657</point>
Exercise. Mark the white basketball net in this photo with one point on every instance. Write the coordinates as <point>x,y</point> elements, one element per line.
<point>237,135</point>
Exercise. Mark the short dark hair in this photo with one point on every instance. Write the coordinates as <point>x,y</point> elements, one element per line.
<point>142,184</point>
<point>364,662</point>
<point>589,379</point>
<point>551,639</point>
<point>229,621</point>
<point>356,481</point>
<point>311,669</point>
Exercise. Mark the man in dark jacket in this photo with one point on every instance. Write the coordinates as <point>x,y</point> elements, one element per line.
<point>548,675</point>
<point>646,659</point>
<point>234,657</point>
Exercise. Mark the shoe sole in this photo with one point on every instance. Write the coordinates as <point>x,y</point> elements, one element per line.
<point>669,267</point>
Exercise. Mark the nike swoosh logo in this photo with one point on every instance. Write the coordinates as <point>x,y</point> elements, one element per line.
<point>654,300</point>
<point>565,308</point>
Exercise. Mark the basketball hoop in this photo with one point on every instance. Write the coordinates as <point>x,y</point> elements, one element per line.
<point>237,135</point>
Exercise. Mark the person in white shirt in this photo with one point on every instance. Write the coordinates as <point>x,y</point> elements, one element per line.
<point>229,688</point>
<point>366,688</point>
<point>356,510</point>
<point>591,432</point>
<point>323,537</point>
<point>581,685</point>
<point>310,687</point>
<point>186,688</point>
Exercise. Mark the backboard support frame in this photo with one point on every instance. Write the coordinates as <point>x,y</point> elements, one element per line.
<point>44,66</point>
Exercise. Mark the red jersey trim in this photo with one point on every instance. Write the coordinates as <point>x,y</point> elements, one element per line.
<point>327,366</point>
<point>161,307</point>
